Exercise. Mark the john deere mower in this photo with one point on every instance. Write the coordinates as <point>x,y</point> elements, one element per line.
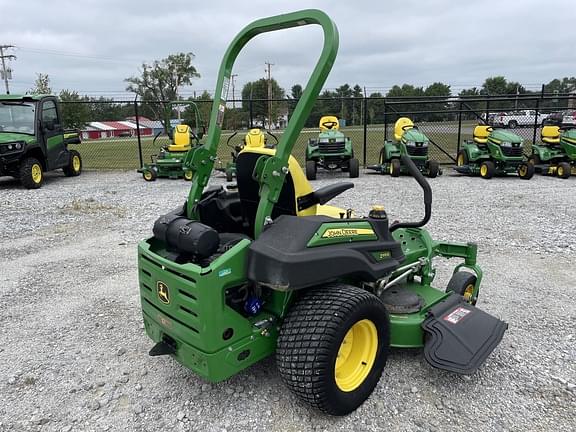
<point>168,163</point>
<point>231,277</point>
<point>493,152</point>
<point>557,153</point>
<point>254,138</point>
<point>410,141</point>
<point>332,150</point>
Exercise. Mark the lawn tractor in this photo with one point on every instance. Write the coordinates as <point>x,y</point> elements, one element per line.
<point>332,150</point>
<point>411,142</point>
<point>233,276</point>
<point>254,138</point>
<point>557,153</point>
<point>33,141</point>
<point>493,152</point>
<point>168,162</point>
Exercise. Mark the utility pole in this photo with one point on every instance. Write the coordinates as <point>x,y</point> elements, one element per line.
<point>6,72</point>
<point>269,65</point>
<point>233,90</point>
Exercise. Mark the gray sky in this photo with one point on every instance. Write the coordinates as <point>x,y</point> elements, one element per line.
<point>91,45</point>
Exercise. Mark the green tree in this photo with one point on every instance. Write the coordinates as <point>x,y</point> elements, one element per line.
<point>75,109</point>
<point>296,91</point>
<point>41,85</point>
<point>160,82</point>
<point>441,93</point>
<point>257,91</point>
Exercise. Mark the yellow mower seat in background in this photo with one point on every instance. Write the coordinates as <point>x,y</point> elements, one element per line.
<point>255,138</point>
<point>550,134</point>
<point>401,125</point>
<point>481,134</point>
<point>329,123</point>
<point>181,139</point>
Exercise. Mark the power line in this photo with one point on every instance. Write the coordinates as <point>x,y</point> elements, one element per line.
<point>269,66</point>
<point>6,73</point>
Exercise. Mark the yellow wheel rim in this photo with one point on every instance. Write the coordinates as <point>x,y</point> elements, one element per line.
<point>356,355</point>
<point>76,163</point>
<point>188,175</point>
<point>483,170</point>
<point>391,169</point>
<point>36,173</point>
<point>523,170</point>
<point>460,161</point>
<point>468,292</point>
<point>148,175</point>
<point>560,171</point>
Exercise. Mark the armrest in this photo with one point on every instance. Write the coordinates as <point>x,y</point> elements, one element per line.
<point>323,195</point>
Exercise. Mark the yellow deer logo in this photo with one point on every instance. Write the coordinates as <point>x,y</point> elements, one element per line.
<point>163,294</point>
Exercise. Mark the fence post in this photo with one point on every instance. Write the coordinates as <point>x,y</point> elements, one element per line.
<point>385,123</point>
<point>459,129</point>
<point>138,131</point>
<point>487,109</point>
<point>536,121</point>
<point>251,112</point>
<point>365,120</point>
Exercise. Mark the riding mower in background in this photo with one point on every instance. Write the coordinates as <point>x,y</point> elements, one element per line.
<point>254,138</point>
<point>408,141</point>
<point>557,153</point>
<point>168,162</point>
<point>332,150</point>
<point>493,152</point>
<point>234,276</point>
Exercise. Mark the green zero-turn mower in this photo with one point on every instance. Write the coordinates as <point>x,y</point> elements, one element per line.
<point>253,138</point>
<point>409,140</point>
<point>557,153</point>
<point>493,152</point>
<point>332,150</point>
<point>168,163</point>
<point>234,276</point>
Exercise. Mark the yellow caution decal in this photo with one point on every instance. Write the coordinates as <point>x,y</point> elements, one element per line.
<point>347,232</point>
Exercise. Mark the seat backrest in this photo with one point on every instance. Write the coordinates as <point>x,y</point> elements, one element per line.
<point>481,133</point>
<point>329,122</point>
<point>550,134</point>
<point>255,138</point>
<point>181,138</point>
<point>295,185</point>
<point>402,125</point>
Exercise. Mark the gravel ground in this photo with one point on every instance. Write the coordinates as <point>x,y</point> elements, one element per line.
<point>73,352</point>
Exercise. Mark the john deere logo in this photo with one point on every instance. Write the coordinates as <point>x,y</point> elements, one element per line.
<point>162,290</point>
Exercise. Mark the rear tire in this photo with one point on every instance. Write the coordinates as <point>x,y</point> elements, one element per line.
<point>333,347</point>
<point>31,174</point>
<point>354,167</point>
<point>74,167</point>
<point>149,175</point>
<point>311,170</point>
<point>462,158</point>
<point>526,171</point>
<point>382,157</point>
<point>563,170</point>
<point>463,283</point>
<point>512,124</point>
<point>487,170</point>
<point>433,169</point>
<point>534,159</point>
<point>395,168</point>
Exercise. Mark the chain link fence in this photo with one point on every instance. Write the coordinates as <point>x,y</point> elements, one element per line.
<point>125,134</point>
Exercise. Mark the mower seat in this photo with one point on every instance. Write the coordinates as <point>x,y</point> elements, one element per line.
<point>255,138</point>
<point>181,139</point>
<point>550,134</point>
<point>297,197</point>
<point>401,125</point>
<point>329,123</point>
<point>481,134</point>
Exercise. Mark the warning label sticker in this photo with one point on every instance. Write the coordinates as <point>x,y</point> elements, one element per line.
<point>456,315</point>
<point>221,109</point>
<point>225,87</point>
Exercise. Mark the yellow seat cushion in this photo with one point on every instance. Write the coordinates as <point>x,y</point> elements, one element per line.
<point>181,139</point>
<point>481,134</point>
<point>329,122</point>
<point>401,126</point>
<point>255,138</point>
<point>550,134</point>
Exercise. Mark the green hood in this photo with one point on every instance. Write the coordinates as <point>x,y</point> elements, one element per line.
<point>6,137</point>
<point>331,134</point>
<point>502,135</point>
<point>414,135</point>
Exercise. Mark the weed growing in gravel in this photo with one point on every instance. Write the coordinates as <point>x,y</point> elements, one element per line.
<point>90,206</point>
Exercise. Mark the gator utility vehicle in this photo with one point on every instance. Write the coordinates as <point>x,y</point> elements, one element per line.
<point>168,162</point>
<point>332,150</point>
<point>409,141</point>
<point>234,276</point>
<point>254,138</point>
<point>493,152</point>
<point>557,153</point>
<point>32,140</point>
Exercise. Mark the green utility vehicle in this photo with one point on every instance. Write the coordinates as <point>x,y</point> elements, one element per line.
<point>32,140</point>
<point>557,153</point>
<point>493,152</point>
<point>168,163</point>
<point>332,150</point>
<point>235,275</point>
<point>409,140</point>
